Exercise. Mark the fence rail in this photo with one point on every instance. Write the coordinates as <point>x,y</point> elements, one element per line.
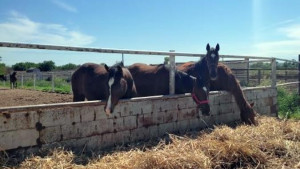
<point>171,54</point>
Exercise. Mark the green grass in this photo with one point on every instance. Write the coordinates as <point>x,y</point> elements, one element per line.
<point>60,85</point>
<point>288,102</point>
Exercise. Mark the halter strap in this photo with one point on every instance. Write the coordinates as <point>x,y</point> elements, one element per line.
<point>198,101</point>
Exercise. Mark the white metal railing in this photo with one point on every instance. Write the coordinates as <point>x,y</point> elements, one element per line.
<point>171,55</point>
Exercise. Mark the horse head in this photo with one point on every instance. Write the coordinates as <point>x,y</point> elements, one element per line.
<point>212,57</point>
<point>248,114</point>
<point>200,95</point>
<point>117,86</point>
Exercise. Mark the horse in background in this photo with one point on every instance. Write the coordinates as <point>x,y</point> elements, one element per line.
<point>219,77</point>
<point>154,80</point>
<point>3,78</point>
<point>97,82</point>
<point>13,80</point>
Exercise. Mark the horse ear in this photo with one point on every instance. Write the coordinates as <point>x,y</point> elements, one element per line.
<point>122,64</point>
<point>252,104</point>
<point>207,47</point>
<point>106,67</point>
<point>217,48</point>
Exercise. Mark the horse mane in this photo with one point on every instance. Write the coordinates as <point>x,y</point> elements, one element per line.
<point>121,64</point>
<point>225,67</point>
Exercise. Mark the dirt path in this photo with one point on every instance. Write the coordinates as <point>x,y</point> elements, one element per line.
<point>20,97</point>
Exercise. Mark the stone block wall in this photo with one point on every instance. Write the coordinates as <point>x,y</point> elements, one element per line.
<point>86,124</point>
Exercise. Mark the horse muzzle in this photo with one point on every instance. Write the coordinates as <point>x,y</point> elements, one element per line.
<point>205,109</point>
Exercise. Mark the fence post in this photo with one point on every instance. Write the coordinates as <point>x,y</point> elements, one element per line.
<point>247,67</point>
<point>298,74</point>
<point>259,76</point>
<point>273,72</point>
<point>52,81</point>
<point>172,73</point>
<point>22,80</point>
<point>285,77</point>
<point>34,79</point>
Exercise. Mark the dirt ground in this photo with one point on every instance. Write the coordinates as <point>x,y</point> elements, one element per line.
<point>21,97</point>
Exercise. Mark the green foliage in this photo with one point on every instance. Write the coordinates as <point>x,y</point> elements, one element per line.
<point>69,66</point>
<point>46,66</point>
<point>2,69</point>
<point>260,65</point>
<point>23,66</point>
<point>288,104</point>
<point>284,65</point>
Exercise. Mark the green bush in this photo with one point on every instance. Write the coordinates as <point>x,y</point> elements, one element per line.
<point>288,104</point>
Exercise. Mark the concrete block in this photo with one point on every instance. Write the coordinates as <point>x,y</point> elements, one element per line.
<point>134,108</point>
<point>130,122</point>
<point>153,131</point>
<point>59,116</point>
<point>18,120</point>
<point>169,116</point>
<point>18,138</point>
<point>139,134</point>
<point>87,129</point>
<point>122,137</point>
<point>182,126</point>
<point>107,140</point>
<point>87,113</point>
<point>147,120</point>
<point>100,113</point>
<point>118,124</point>
<point>166,128</point>
<point>186,114</point>
<point>51,134</point>
<point>164,105</point>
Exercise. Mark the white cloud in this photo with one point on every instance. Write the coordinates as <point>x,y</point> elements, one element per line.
<point>65,6</point>
<point>287,47</point>
<point>21,29</point>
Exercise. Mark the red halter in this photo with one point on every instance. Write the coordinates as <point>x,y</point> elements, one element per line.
<point>198,101</point>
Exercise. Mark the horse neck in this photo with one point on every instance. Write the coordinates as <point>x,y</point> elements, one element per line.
<point>202,70</point>
<point>183,83</point>
<point>239,96</point>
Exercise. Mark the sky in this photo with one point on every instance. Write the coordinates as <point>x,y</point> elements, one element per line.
<point>269,28</point>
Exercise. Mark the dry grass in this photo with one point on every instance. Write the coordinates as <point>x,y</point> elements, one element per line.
<point>271,144</point>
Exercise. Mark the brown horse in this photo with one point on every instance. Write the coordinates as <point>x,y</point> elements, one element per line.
<point>154,80</point>
<point>219,77</point>
<point>96,82</point>
<point>13,80</point>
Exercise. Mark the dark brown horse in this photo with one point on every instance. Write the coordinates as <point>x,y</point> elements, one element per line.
<point>219,77</point>
<point>13,80</point>
<point>3,78</point>
<point>154,80</point>
<point>96,82</point>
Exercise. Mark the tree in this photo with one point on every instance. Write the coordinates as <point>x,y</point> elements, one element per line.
<point>69,66</point>
<point>46,66</point>
<point>23,66</point>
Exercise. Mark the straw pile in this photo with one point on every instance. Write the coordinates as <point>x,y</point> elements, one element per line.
<point>271,144</point>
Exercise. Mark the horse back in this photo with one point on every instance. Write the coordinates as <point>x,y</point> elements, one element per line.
<point>150,80</point>
<point>90,80</point>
